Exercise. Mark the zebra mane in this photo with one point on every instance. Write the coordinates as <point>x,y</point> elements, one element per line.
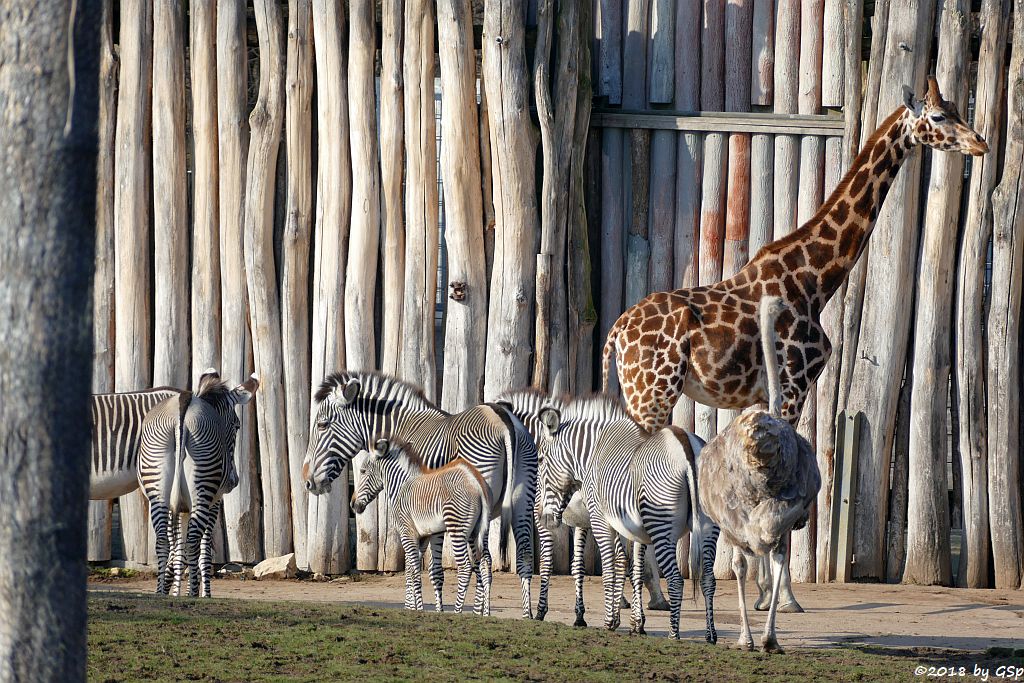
<point>379,387</point>
<point>402,446</point>
<point>594,408</point>
<point>213,390</point>
<point>530,401</point>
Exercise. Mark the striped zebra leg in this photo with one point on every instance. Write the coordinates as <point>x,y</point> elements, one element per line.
<point>523,507</point>
<point>159,517</point>
<point>544,543</point>
<point>739,568</point>
<point>206,551</point>
<point>665,553</point>
<point>485,570</point>
<point>436,569</point>
<point>178,525</point>
<point>621,562</point>
<point>464,562</point>
<point>579,544</point>
<point>413,561</point>
<point>636,621</point>
<point>708,584</point>
<point>607,543</point>
<point>193,539</point>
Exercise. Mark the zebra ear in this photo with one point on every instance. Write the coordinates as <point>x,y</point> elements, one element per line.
<point>550,418</point>
<point>349,392</point>
<point>244,392</point>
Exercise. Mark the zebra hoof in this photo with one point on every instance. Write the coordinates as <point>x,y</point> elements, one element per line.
<point>637,631</point>
<point>580,622</point>
<point>711,637</point>
<point>770,645</point>
<point>790,607</point>
<point>658,605</point>
<point>540,615</point>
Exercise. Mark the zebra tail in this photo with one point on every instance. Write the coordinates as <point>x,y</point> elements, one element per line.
<point>176,502</point>
<point>696,534</point>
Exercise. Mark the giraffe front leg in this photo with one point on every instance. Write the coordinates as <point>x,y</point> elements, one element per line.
<point>636,621</point>
<point>579,545</point>
<point>739,567</point>
<point>436,569</point>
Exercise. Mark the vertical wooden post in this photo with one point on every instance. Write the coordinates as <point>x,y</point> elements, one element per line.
<point>170,200</point>
<point>762,48</point>
<point>466,319</point>
<point>663,146</point>
<point>103,281</point>
<point>610,63</point>
<point>295,344</point>
<point>242,506</point>
<point>762,147</point>
<point>786,101</point>
<point>206,324</point>
<point>133,362</point>
<point>884,331</point>
<point>513,155</point>
<point>832,70</point>
<point>637,150</point>
<point>661,74</point>
<point>689,153</point>
<point>1003,326</point>
<point>896,537</point>
<point>264,307</point>
<point>418,364</point>
<point>327,546</point>
<point>928,552</point>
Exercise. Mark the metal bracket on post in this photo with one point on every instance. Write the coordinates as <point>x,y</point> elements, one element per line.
<point>848,427</point>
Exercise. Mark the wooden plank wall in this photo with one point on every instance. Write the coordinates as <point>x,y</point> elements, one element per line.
<point>654,202</point>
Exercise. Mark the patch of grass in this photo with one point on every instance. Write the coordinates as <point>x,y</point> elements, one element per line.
<point>145,637</point>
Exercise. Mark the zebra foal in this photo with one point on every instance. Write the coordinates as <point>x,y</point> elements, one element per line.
<point>186,465</point>
<point>428,503</point>
<point>637,485</point>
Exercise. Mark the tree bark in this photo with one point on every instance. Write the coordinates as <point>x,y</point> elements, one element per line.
<point>206,320</point>
<point>513,156</point>
<point>241,506</point>
<point>48,116</point>
<point>762,48</point>
<point>466,318</point>
<point>928,552</point>
<point>391,164</point>
<point>133,364</point>
<point>327,546</point>
<point>264,310</point>
<point>170,200</point>
<point>295,342</point>
<point>663,51</point>
<point>636,152</point>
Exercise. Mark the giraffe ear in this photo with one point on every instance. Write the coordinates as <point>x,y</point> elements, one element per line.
<point>910,101</point>
<point>550,418</point>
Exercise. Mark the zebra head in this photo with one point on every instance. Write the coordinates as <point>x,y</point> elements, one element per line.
<point>220,403</point>
<point>336,434</point>
<point>369,476</point>
<point>557,480</point>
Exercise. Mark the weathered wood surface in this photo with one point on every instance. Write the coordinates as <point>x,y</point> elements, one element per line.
<point>170,202</point>
<point>513,153</point>
<point>884,329</point>
<point>661,72</point>
<point>786,101</point>
<point>833,56</point>
<point>1003,327</point>
<point>762,64</point>
<point>264,306</point>
<point>327,546</point>
<point>928,552</point>
<point>205,284</point>
<point>613,220</point>
<point>421,235</point>
<point>662,205</point>
<point>103,283</point>
<point>896,538</point>
<point>241,509</point>
<point>610,54</point>
<point>133,360</point>
<point>295,248</point>
<point>637,150</point>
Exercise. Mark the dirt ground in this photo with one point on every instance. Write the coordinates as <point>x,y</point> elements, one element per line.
<point>865,614</point>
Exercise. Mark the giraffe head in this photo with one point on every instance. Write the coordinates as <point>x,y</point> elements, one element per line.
<point>937,123</point>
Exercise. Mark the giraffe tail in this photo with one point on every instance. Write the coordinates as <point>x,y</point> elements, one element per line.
<point>606,355</point>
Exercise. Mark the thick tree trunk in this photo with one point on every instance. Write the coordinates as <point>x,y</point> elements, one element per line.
<point>466,318</point>
<point>241,506</point>
<point>928,552</point>
<point>264,310</point>
<point>762,48</point>
<point>876,374</point>
<point>295,254</point>
<point>103,284</point>
<point>206,321</point>
<point>513,155</point>
<point>327,546</point>
<point>391,165</point>
<point>48,113</point>
<point>1004,334</point>
<point>170,199</point>
<point>133,365</point>
<point>418,363</point>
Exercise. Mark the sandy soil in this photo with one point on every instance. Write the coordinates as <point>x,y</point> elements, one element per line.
<point>865,614</point>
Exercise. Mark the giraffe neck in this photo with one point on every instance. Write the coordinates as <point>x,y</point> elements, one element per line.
<point>837,235</point>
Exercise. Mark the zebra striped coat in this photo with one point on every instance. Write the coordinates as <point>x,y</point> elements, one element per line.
<point>355,408</point>
<point>427,503</point>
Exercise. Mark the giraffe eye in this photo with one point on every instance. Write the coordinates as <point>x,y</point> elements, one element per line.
<point>938,118</point>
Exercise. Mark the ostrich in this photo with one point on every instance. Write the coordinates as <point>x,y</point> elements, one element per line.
<point>757,480</point>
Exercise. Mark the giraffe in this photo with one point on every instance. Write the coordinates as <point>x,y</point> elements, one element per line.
<point>705,342</point>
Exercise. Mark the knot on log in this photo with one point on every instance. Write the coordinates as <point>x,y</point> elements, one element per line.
<point>906,48</point>
<point>458,291</point>
<point>521,296</point>
<point>499,40</point>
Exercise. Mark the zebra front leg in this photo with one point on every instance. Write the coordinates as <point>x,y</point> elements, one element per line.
<point>460,548</point>
<point>769,643</point>
<point>436,569</point>
<point>413,562</point>
<point>665,552</point>
<point>161,529</point>
<point>739,568</point>
<point>636,621</point>
<point>545,542</point>
<point>579,545</point>
<point>606,543</point>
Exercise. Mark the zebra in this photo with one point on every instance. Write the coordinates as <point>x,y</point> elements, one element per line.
<point>636,484</point>
<point>355,407</point>
<point>452,499</point>
<point>186,465</point>
<point>527,404</point>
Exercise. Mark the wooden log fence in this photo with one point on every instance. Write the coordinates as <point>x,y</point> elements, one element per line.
<point>468,268</point>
